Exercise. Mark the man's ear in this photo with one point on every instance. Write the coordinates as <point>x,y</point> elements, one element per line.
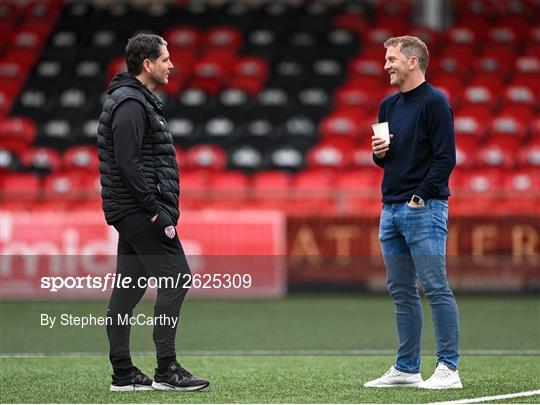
<point>146,65</point>
<point>413,62</point>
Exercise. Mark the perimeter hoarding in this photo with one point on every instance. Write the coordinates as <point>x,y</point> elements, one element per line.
<point>224,250</point>
<point>488,253</point>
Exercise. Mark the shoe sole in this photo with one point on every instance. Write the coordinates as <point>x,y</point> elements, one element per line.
<point>457,385</point>
<point>130,388</point>
<point>411,385</point>
<point>167,387</point>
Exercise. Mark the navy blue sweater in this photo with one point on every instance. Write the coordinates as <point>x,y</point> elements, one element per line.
<point>422,153</point>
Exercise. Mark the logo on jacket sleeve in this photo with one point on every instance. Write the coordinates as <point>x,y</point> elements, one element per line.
<point>170,231</point>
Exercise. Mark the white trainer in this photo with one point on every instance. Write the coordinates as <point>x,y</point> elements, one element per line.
<point>442,379</point>
<point>395,378</point>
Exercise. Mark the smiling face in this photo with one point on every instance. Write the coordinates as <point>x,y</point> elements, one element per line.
<point>398,66</point>
<point>159,69</point>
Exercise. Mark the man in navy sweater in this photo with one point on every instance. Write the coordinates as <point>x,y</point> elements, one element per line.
<point>414,222</point>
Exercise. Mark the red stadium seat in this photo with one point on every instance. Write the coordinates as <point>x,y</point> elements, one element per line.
<point>498,52</point>
<point>312,180</point>
<point>461,37</point>
<point>476,192</point>
<point>467,148</point>
<point>528,66</point>
<point>5,102</point>
<point>494,83</point>
<point>376,87</point>
<point>360,191</point>
<point>20,186</point>
<point>64,186</point>
<point>396,23</point>
<point>489,65</point>
<point>269,182</point>
<point>500,151</point>
<point>249,74</point>
<point>372,51</point>
<point>470,125</point>
<point>205,157</point>
<point>17,134</point>
<point>526,80</point>
<point>535,128</point>
<point>210,75</point>
<point>522,192</point>
<point>224,37</point>
<point>194,183</point>
<point>329,156</point>
<point>529,154</point>
<point>362,154</point>
<point>229,188</point>
<point>503,35</point>
<point>183,38</point>
<point>475,22</point>
<point>183,61</point>
<point>480,113</point>
<point>28,38</point>
<point>457,61</point>
<point>312,191</point>
<point>477,94</point>
<point>362,66</point>
<point>351,21</point>
<point>534,34</point>
<point>81,158</point>
<point>431,37</point>
<point>520,95</point>
<point>91,186</point>
<point>251,66</point>
<point>508,125</point>
<point>356,99</point>
<point>251,85</point>
<point>378,35</point>
<point>364,182</point>
<point>341,124</point>
<point>522,112</point>
<point>41,158</point>
<point>12,70</point>
<point>271,189</point>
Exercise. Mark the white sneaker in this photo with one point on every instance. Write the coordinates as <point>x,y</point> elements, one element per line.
<point>443,378</point>
<point>395,378</point>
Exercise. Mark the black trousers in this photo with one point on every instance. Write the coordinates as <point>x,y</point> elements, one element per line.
<point>145,250</point>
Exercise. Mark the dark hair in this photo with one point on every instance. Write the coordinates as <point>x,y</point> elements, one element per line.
<point>141,47</point>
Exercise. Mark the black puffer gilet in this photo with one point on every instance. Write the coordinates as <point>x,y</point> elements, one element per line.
<point>158,154</point>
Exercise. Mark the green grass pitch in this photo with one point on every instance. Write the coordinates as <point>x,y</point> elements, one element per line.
<point>219,339</point>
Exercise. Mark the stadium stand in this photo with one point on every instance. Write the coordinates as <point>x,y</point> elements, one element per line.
<point>263,113</point>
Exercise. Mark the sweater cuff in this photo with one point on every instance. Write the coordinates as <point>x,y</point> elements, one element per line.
<point>378,161</point>
<point>422,193</point>
<point>151,208</point>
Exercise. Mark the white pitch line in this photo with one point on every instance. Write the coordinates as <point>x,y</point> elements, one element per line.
<point>492,398</point>
<point>279,352</point>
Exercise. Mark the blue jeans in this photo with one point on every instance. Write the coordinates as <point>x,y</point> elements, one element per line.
<point>413,242</point>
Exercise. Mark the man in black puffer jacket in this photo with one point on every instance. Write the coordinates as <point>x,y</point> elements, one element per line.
<point>139,179</point>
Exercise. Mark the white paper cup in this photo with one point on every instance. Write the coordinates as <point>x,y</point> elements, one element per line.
<point>381,130</point>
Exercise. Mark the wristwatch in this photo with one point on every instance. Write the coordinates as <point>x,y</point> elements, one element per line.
<point>418,200</point>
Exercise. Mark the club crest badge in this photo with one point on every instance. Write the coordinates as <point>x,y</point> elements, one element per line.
<point>170,231</point>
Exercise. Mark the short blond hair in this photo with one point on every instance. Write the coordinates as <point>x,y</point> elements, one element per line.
<point>411,46</point>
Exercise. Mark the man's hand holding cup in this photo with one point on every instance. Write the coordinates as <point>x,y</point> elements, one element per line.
<point>380,141</point>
